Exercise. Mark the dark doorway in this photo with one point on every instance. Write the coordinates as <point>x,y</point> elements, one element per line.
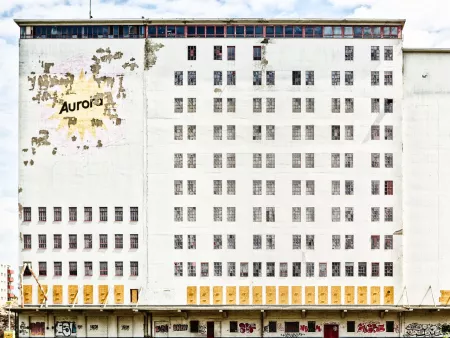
<point>331,331</point>
<point>210,330</point>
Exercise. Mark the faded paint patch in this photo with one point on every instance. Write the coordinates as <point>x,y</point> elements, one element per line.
<point>150,50</point>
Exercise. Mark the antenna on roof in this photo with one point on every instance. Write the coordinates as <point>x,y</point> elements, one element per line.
<point>90,9</point>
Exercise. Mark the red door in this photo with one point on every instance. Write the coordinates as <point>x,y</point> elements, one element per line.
<point>331,331</point>
<point>209,329</point>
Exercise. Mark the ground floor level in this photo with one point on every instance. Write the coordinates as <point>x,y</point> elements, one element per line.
<point>72,322</point>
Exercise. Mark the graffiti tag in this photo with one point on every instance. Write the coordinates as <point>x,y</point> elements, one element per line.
<point>125,327</point>
<point>65,329</point>
<point>23,329</point>
<point>202,329</point>
<point>371,327</point>
<point>162,328</point>
<point>247,327</point>
<point>180,327</point>
<point>93,327</point>
<point>292,335</point>
<point>423,330</point>
<point>37,329</point>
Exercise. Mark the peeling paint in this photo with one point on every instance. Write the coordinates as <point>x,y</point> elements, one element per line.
<point>31,162</point>
<point>54,151</point>
<point>96,123</point>
<point>118,121</point>
<point>20,190</point>
<point>20,208</point>
<point>85,147</point>
<point>217,90</point>
<point>33,151</point>
<point>99,144</point>
<point>74,138</point>
<point>25,150</point>
<point>42,140</point>
<point>150,50</point>
<point>121,91</point>
<point>47,66</point>
<point>132,65</point>
<point>71,120</point>
<point>25,162</point>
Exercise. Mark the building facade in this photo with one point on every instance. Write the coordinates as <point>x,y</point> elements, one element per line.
<point>228,177</point>
<point>6,283</point>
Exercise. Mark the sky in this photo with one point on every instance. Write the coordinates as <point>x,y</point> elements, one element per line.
<point>427,25</point>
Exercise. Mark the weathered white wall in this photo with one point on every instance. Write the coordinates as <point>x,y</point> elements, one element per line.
<point>426,175</point>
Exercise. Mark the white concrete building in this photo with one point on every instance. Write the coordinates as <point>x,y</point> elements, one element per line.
<point>6,283</point>
<point>226,177</point>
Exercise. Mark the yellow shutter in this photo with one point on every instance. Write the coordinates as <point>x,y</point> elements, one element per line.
<point>218,295</point>
<point>28,294</point>
<point>271,295</point>
<point>257,295</point>
<point>72,295</point>
<point>244,295</point>
<point>349,295</point>
<point>310,295</point>
<point>192,295</point>
<point>41,299</point>
<point>283,295</point>
<point>323,294</point>
<point>57,294</point>
<point>134,296</point>
<point>231,295</point>
<point>296,295</point>
<point>336,295</point>
<point>102,294</point>
<point>88,291</point>
<point>205,297</point>
<point>119,294</point>
<point>388,295</point>
<point>362,295</point>
<point>375,295</point>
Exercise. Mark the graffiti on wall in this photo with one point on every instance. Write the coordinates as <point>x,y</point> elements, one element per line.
<point>247,327</point>
<point>162,328</point>
<point>65,329</point>
<point>202,329</point>
<point>292,334</point>
<point>37,329</point>
<point>23,329</point>
<point>180,327</point>
<point>304,328</point>
<point>423,330</point>
<point>370,327</point>
<point>93,327</point>
<point>125,327</point>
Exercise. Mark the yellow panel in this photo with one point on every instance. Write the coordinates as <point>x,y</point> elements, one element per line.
<point>296,295</point>
<point>444,300</point>
<point>310,295</point>
<point>323,294</point>
<point>362,295</point>
<point>57,294</point>
<point>231,295</point>
<point>205,296</point>
<point>134,296</point>
<point>445,293</point>
<point>349,295</point>
<point>244,295</point>
<point>336,295</point>
<point>102,293</point>
<point>192,295</point>
<point>72,296</point>
<point>271,295</point>
<point>41,298</point>
<point>28,294</point>
<point>218,295</point>
<point>257,295</point>
<point>283,295</point>
<point>375,295</point>
<point>119,294</point>
<point>388,295</point>
<point>88,291</point>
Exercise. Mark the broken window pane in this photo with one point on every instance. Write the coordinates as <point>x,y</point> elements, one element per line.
<point>296,78</point>
<point>309,77</point>
<point>192,52</point>
<point>335,105</point>
<point>270,133</point>
<point>256,133</point>
<point>178,105</point>
<point>192,133</point>
<point>270,77</point>
<point>231,105</point>
<point>192,242</point>
<point>178,78</point>
<point>375,105</point>
<point>349,105</point>
<point>348,51</point>
<point>217,78</point>
<point>257,105</point>
<point>349,214</point>
<point>388,133</point>
<point>270,105</point>
<point>310,242</point>
<point>296,214</point>
<point>335,214</point>
<point>335,78</point>
<point>336,242</point>
<point>192,160</point>
<point>388,106</point>
<point>178,269</point>
<point>375,132</point>
<point>257,78</point>
<point>349,78</point>
<point>192,78</point>
<point>217,52</point>
<point>375,53</point>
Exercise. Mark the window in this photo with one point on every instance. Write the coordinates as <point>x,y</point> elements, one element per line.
<point>217,52</point>
<point>389,187</point>
<point>296,214</point>
<point>231,53</point>
<point>218,269</point>
<point>231,187</point>
<point>348,53</point>
<point>178,78</point>
<point>270,187</point>
<point>349,269</point>
<point>335,160</point>
<point>270,214</point>
<point>177,132</point>
<point>217,78</point>
<point>296,78</point>
<point>388,133</point>
<point>296,160</point>
<point>375,269</point>
<point>388,53</point>
<point>103,214</point>
<point>309,160</point>
<point>335,187</point>
<point>349,105</point>
<point>270,132</point>
<point>389,160</point>
<point>270,242</point>
<point>103,241</point>
<point>349,242</point>
<point>310,242</point>
<point>231,78</point>
<point>42,241</point>
<point>375,214</point>
<point>335,242</point>
<point>118,268</point>
<point>178,187</point>
<point>349,133</point>
<point>375,105</point>
<point>231,105</point>
<point>270,77</point>
<point>390,326</point>
<point>231,214</point>
<point>204,269</point>
<point>231,133</point>
<point>349,188</point>
<point>42,214</point>
<point>192,105</point>
<point>178,105</point>
<point>178,160</point>
<point>192,269</point>
<point>257,242</point>
<point>178,272</point>
<point>388,78</point>
<point>311,326</point>
<point>375,78</point>
<point>72,214</point>
<point>335,78</point>
<point>231,241</point>
<point>348,214</point>
<point>335,214</point>
<point>27,241</point>
<point>88,241</point>
<point>349,78</point>
<point>309,78</point>
<point>257,53</point>
<point>296,242</point>
<point>42,268</point>
<point>134,241</point>
<point>244,270</point>
<point>375,53</point>
<point>296,269</point>
<point>88,214</point>
<point>233,326</point>
<point>296,133</point>
<point>388,214</point>
<point>118,241</point>
<point>72,241</point>
<point>388,106</point>
<point>310,214</point>
<point>192,53</point>
<point>309,269</point>
<point>257,214</point>
<point>118,214</point>
<point>257,269</point>
<point>257,78</point>
<point>322,269</point>
<point>57,214</point>
<point>388,269</point>
<point>231,160</point>
<point>57,268</point>
<point>256,133</point>
<point>310,105</point>
<point>103,268</point>
<point>191,160</point>
<point>335,269</point>
<point>270,269</point>
<point>273,326</point>
<point>309,132</point>
<point>257,105</point>
<point>375,159</point>
<point>192,242</point>
<point>335,133</point>
<point>73,268</point>
<point>217,160</point>
<point>375,132</point>
<point>348,160</point>
<point>291,327</point>
<point>192,214</point>
<point>270,105</point>
<point>270,160</point>
<point>257,187</point>
<point>296,105</point>
<point>27,214</point>
<point>217,105</point>
<point>296,187</point>
<point>375,242</point>
<point>375,187</point>
<point>178,214</point>
<point>335,105</point>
